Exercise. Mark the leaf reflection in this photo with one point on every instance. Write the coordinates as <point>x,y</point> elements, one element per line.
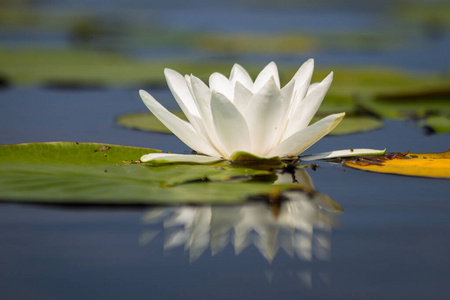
<point>301,224</point>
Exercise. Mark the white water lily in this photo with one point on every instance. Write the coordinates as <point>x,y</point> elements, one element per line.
<point>238,114</point>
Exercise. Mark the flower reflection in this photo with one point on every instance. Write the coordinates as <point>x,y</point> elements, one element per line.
<point>301,225</point>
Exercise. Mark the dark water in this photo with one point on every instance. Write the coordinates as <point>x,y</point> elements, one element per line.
<point>391,242</point>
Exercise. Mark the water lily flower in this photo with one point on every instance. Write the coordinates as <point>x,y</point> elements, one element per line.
<point>236,114</point>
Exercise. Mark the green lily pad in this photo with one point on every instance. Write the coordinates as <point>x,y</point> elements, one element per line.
<point>255,43</point>
<point>245,158</point>
<point>146,121</point>
<point>84,68</point>
<point>409,104</point>
<point>76,68</point>
<point>90,173</point>
<point>355,124</point>
<point>438,124</point>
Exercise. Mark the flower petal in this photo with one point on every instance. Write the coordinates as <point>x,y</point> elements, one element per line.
<point>303,77</point>
<point>180,90</point>
<point>239,74</point>
<point>263,114</point>
<point>303,139</point>
<point>311,87</point>
<point>202,96</point>
<point>199,124</point>
<point>343,153</point>
<point>242,97</point>
<point>182,129</point>
<point>302,80</point>
<point>287,93</point>
<point>178,158</point>
<point>230,125</point>
<point>221,84</point>
<point>179,87</point>
<point>269,71</point>
<point>303,112</point>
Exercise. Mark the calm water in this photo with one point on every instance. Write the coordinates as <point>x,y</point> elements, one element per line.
<point>391,242</point>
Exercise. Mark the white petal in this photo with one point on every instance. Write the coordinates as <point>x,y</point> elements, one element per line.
<point>287,94</point>
<point>181,92</point>
<point>269,71</point>
<point>197,121</point>
<point>303,139</point>
<point>302,80</point>
<point>263,115</point>
<point>230,125</point>
<point>239,74</point>
<point>179,88</point>
<point>303,112</point>
<point>312,86</point>
<point>303,77</point>
<point>221,84</point>
<point>343,153</point>
<point>242,97</point>
<point>189,84</point>
<point>182,129</point>
<point>202,96</point>
<point>172,158</point>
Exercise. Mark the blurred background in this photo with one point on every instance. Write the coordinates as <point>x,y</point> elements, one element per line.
<point>119,41</point>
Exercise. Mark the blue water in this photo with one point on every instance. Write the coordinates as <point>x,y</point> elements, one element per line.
<point>391,242</point>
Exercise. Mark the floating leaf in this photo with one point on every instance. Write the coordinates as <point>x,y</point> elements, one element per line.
<point>353,124</point>
<point>245,158</point>
<point>435,165</point>
<point>76,68</point>
<point>343,153</point>
<point>72,68</point>
<point>89,173</point>
<point>255,43</point>
<point>436,124</point>
<point>71,153</point>
<point>409,104</point>
<point>146,121</point>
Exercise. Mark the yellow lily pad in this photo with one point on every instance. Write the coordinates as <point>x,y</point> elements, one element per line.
<point>433,165</point>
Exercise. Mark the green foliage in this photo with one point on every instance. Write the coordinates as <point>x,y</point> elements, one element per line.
<point>89,173</point>
<point>438,124</point>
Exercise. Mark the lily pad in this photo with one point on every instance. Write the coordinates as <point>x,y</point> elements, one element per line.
<point>90,173</point>
<point>245,158</point>
<point>255,43</point>
<point>355,124</point>
<point>409,104</point>
<point>69,67</point>
<point>146,121</point>
<point>434,165</point>
<point>437,124</point>
<point>76,68</point>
